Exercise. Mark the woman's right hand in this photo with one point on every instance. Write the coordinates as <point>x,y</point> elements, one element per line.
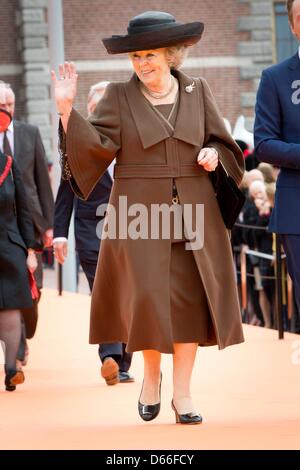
<point>65,87</point>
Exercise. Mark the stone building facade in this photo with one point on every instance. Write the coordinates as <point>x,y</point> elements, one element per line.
<point>238,43</point>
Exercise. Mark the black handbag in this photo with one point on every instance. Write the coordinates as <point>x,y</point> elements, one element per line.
<point>230,198</point>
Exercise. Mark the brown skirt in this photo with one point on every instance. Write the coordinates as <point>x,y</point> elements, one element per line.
<point>191,320</point>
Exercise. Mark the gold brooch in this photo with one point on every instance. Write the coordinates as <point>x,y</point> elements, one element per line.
<point>190,88</point>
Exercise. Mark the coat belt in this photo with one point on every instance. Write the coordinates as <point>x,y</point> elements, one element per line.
<point>157,171</point>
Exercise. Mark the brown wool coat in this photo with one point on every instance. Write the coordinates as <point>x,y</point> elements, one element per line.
<point>131,294</point>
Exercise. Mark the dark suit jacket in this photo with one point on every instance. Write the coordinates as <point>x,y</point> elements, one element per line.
<point>277,139</point>
<point>30,156</point>
<point>16,235</point>
<point>85,214</point>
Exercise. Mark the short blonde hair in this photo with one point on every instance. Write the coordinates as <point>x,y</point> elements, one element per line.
<point>270,190</point>
<point>267,171</point>
<point>175,55</point>
<point>289,7</point>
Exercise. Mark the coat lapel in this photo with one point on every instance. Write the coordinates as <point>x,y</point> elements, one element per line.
<point>294,61</point>
<point>149,126</point>
<point>188,124</point>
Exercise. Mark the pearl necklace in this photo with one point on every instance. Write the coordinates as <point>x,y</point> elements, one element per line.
<point>158,95</point>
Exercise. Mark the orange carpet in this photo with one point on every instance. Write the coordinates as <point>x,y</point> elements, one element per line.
<point>249,395</point>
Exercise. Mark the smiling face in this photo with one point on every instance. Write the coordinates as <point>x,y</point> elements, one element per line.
<point>151,66</point>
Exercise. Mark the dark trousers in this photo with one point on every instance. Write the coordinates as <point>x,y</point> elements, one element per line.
<point>115,350</point>
<point>291,245</point>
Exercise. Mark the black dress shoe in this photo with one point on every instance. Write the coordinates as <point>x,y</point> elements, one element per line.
<point>149,412</point>
<point>125,377</point>
<point>13,378</point>
<point>187,418</point>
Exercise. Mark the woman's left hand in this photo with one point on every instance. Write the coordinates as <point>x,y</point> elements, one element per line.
<point>31,261</point>
<point>208,158</point>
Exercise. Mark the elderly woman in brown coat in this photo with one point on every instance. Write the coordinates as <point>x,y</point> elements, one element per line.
<point>155,291</point>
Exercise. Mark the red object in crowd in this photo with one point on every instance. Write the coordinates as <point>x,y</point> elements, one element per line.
<point>6,169</point>
<point>5,120</point>
<point>247,153</point>
<point>33,286</point>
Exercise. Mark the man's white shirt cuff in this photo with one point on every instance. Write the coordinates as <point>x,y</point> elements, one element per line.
<point>59,240</point>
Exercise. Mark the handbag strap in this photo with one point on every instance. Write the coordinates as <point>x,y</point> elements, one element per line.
<point>222,164</point>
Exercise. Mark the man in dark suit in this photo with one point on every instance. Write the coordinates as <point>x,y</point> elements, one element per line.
<point>277,141</point>
<point>115,360</point>
<point>23,141</point>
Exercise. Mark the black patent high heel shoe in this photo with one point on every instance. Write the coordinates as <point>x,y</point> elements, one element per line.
<point>13,378</point>
<point>187,418</point>
<point>149,412</point>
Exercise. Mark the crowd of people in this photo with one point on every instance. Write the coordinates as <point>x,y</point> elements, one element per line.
<point>250,233</point>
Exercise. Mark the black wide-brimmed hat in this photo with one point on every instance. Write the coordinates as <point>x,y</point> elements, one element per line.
<point>153,30</point>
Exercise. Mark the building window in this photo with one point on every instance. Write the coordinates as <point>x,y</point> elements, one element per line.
<point>286,43</point>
